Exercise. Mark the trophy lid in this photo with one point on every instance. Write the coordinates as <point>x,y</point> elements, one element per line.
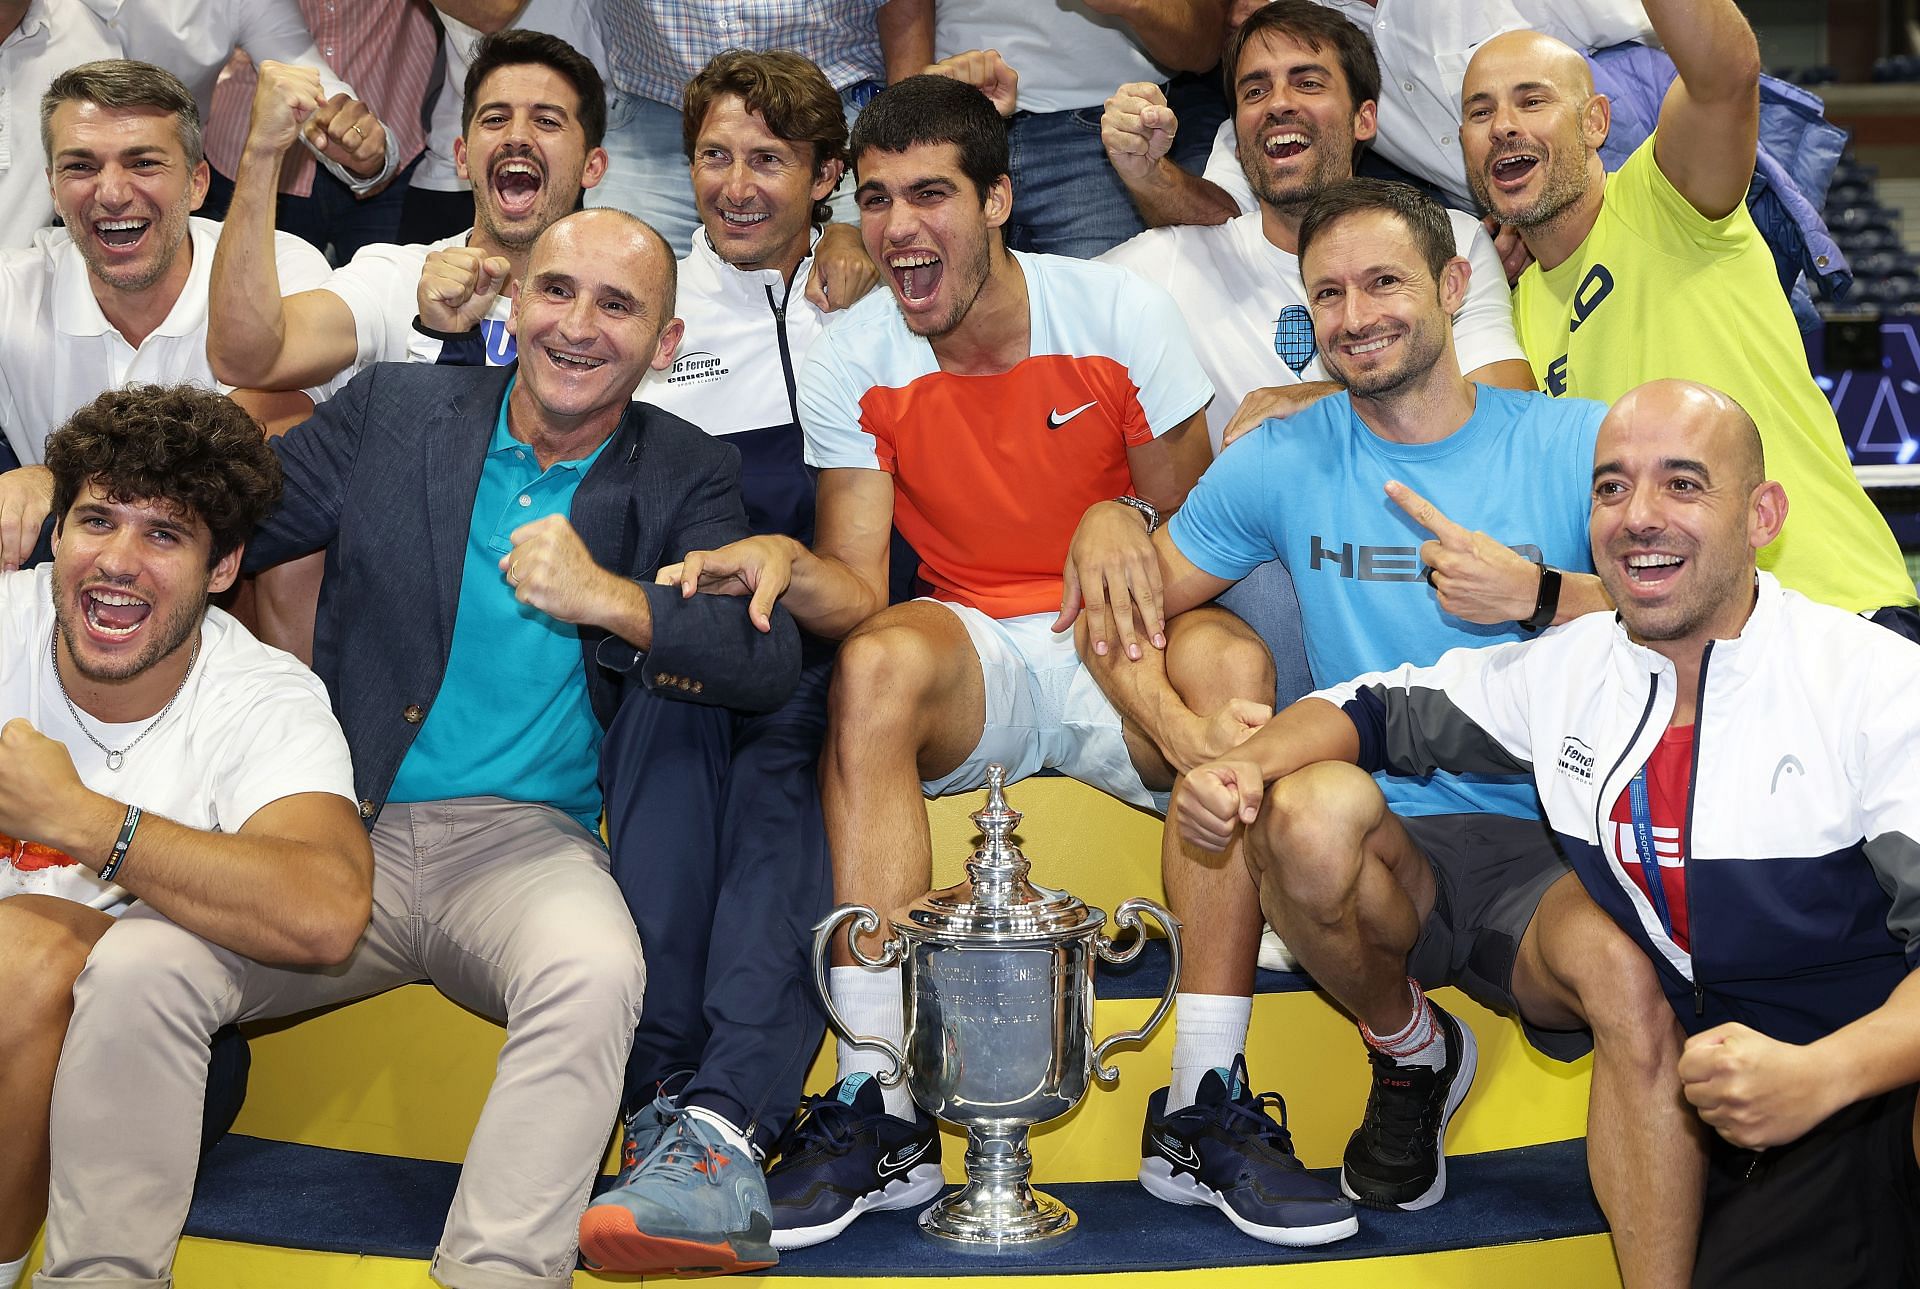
<point>997,903</point>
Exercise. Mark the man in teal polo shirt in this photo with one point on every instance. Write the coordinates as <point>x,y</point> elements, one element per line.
<point>488,609</point>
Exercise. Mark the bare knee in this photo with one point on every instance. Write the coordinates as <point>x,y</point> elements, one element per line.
<point>880,673</point>
<point>43,958</point>
<point>1305,847</point>
<point>1616,990</point>
<point>1212,656</point>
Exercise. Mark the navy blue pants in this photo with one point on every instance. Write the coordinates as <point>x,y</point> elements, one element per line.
<point>721,851</point>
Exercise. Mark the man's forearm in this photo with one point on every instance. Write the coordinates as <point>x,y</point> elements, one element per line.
<point>267,897</point>
<point>1712,47</point>
<point>906,37</point>
<point>1171,196</point>
<point>1146,700</point>
<point>1309,731</point>
<point>626,613</point>
<point>827,597</point>
<point>1881,1050</point>
<point>1581,594</point>
<point>1185,35</point>
<point>246,321</point>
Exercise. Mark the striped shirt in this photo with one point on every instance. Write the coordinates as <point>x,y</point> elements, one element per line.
<point>384,48</point>
<point>657,46</point>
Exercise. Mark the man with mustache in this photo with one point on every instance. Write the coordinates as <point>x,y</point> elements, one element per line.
<point>151,750</point>
<point>1657,270</point>
<point>1738,805</point>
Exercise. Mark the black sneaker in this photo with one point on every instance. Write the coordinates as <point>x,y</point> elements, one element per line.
<point>1397,1160</point>
<point>1227,1151</point>
<point>844,1155</point>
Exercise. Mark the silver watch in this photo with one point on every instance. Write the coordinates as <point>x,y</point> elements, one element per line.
<point>1146,508</point>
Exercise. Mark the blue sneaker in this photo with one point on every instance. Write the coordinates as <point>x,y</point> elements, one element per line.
<point>644,1126</point>
<point>696,1204</point>
<point>844,1155</point>
<point>1227,1151</point>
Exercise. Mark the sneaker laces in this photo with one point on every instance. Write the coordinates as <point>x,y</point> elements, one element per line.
<point>1250,1113</point>
<point>687,1151</point>
<point>823,1120</point>
<point>1400,1119</point>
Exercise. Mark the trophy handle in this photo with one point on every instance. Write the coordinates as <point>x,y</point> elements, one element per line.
<point>1127,917</point>
<point>865,920</point>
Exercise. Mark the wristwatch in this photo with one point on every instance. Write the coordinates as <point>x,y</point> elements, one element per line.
<point>1146,508</point>
<point>1548,602</point>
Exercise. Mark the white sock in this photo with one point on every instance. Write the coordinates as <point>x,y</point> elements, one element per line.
<point>869,1002</point>
<point>1420,1041</point>
<point>10,1271</point>
<point>724,1126</point>
<point>1208,1030</point>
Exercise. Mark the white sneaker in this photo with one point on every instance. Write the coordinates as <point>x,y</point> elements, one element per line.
<point>1274,954</point>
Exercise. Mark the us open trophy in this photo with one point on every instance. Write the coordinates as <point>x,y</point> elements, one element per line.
<point>997,975</point>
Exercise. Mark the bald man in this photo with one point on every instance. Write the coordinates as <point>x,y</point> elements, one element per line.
<point>1657,270</point>
<point>501,525</point>
<point>1704,735</point>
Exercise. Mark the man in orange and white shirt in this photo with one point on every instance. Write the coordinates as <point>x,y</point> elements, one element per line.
<point>981,407</point>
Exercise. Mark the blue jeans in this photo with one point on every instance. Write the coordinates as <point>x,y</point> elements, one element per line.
<point>1066,198</point>
<point>647,170</point>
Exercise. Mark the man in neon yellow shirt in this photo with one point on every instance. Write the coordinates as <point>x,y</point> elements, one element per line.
<point>1658,271</point>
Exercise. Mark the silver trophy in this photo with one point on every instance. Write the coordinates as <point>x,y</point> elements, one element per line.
<point>997,975</point>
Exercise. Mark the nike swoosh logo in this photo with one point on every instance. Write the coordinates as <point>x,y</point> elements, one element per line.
<point>1055,420</point>
<point>901,1160</point>
<point>1179,1152</point>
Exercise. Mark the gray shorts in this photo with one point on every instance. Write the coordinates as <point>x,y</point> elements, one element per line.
<point>1489,872</point>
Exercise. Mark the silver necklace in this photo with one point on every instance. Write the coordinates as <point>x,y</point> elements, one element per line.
<point>116,756</point>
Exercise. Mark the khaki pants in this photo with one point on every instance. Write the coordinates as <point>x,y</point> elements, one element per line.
<point>507,908</point>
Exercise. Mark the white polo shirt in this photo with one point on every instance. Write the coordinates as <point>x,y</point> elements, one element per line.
<point>1245,303</point>
<point>53,36</point>
<point>58,352</point>
<point>1424,47</point>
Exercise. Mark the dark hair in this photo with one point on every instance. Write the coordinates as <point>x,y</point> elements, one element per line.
<point>1316,27</point>
<point>791,95</point>
<point>179,444</point>
<point>513,48</point>
<point>1424,217</point>
<point>122,82</point>
<point>934,110</point>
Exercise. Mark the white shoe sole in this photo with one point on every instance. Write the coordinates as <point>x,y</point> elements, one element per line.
<point>916,1187</point>
<point>1462,1082</point>
<point>1162,1182</point>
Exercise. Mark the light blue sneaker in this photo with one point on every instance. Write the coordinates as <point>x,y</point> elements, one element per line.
<point>694,1204</point>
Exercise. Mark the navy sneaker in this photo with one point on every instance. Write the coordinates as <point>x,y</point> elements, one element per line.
<point>844,1155</point>
<point>1227,1151</point>
<point>696,1204</point>
<point>1397,1158</point>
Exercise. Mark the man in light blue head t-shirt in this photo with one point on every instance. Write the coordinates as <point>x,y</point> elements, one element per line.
<point>1396,884</point>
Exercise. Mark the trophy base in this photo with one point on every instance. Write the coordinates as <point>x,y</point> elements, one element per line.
<point>984,1219</point>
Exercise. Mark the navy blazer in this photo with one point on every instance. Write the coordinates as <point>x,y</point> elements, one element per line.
<point>383,476</point>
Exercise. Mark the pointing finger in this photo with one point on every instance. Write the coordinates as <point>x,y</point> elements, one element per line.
<point>1428,516</point>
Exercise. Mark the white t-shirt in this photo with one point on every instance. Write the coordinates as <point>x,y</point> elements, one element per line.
<point>250,726</point>
<point>571,20</point>
<point>1068,56</point>
<point>381,288</point>
<point>53,36</point>
<point>1246,305</point>
<point>1424,47</point>
<point>58,352</point>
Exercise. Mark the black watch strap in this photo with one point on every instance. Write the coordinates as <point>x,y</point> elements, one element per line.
<point>1548,602</point>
